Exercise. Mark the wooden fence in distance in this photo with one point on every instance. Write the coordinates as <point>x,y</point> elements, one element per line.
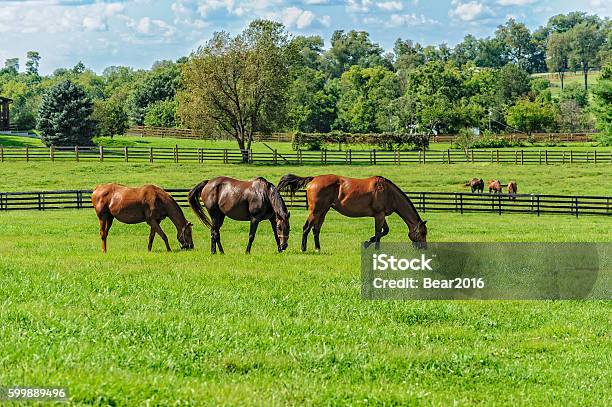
<point>459,202</point>
<point>163,132</point>
<point>300,157</point>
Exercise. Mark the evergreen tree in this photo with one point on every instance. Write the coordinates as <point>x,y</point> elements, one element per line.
<point>64,116</point>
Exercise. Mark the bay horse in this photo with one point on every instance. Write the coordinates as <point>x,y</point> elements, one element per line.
<point>254,201</point>
<point>149,204</point>
<point>495,186</point>
<point>476,185</point>
<point>512,189</point>
<point>375,197</point>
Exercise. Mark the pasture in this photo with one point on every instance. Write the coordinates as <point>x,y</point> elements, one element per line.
<point>162,328</point>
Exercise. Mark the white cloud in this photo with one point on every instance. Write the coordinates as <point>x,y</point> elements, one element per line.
<point>151,27</point>
<point>390,5</point>
<point>397,20</point>
<point>467,11</point>
<point>294,17</point>
<point>358,6</point>
<point>315,2</point>
<point>515,2</point>
<point>325,21</point>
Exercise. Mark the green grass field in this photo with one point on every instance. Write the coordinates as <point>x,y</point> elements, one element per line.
<point>281,147</point>
<point>189,328</point>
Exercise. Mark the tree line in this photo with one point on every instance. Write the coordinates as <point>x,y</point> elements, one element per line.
<point>264,79</point>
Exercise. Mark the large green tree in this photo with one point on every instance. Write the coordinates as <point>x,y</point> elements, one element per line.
<point>558,54</point>
<point>586,42</point>
<point>238,85</point>
<point>602,108</point>
<point>65,116</point>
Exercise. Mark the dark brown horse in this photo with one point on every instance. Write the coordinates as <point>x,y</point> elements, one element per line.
<point>254,201</point>
<point>375,197</point>
<point>495,186</point>
<point>477,185</point>
<point>149,204</point>
<point>512,190</point>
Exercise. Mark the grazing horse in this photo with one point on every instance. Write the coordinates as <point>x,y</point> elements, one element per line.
<point>495,186</point>
<point>476,185</point>
<point>512,189</point>
<point>375,197</point>
<point>149,204</point>
<point>255,200</point>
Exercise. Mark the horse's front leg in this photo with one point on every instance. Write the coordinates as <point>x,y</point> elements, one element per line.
<point>151,237</point>
<point>252,231</point>
<point>157,228</point>
<point>273,223</point>
<point>385,232</point>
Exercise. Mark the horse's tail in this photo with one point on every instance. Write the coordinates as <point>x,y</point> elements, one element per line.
<point>194,202</point>
<point>292,183</point>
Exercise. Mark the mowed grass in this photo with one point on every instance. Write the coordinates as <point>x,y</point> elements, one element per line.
<point>134,328</point>
<point>542,179</point>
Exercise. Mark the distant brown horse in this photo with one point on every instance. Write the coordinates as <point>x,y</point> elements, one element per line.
<point>254,201</point>
<point>495,186</point>
<point>149,204</point>
<point>512,189</point>
<point>477,185</point>
<point>375,197</point>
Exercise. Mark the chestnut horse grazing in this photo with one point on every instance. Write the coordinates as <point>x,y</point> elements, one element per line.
<point>512,189</point>
<point>495,186</point>
<point>254,201</point>
<point>149,204</point>
<point>476,185</point>
<point>375,197</point>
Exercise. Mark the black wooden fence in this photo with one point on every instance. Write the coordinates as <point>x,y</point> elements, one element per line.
<point>347,157</point>
<point>461,202</point>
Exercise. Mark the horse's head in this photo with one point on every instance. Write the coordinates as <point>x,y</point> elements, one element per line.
<point>282,229</point>
<point>185,237</point>
<point>418,235</point>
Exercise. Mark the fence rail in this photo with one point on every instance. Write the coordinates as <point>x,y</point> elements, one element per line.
<point>300,157</point>
<point>163,132</point>
<point>460,202</point>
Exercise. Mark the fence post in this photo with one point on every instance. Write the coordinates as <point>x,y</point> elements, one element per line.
<point>274,157</point>
<point>497,155</point>
<point>595,156</point>
<point>422,201</point>
<point>522,157</point>
<point>472,151</point>
<point>325,155</point>
<point>499,203</point>
<point>461,202</point>
<point>540,157</point>
<point>201,156</point>
<point>225,159</point>
<point>374,156</point>
<point>1,154</point>
<point>424,155</point>
<point>101,153</point>
<point>449,156</point>
<point>399,156</point>
<point>76,153</point>
<point>576,205</point>
<point>27,154</point>
<point>126,154</point>
<point>350,156</point>
<point>176,156</point>
<point>571,156</point>
<point>419,156</point>
<point>150,154</point>
<point>40,207</point>
<point>546,156</point>
<point>52,152</point>
<point>538,204</point>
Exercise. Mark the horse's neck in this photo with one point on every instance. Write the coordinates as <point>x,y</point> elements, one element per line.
<point>175,214</point>
<point>406,210</point>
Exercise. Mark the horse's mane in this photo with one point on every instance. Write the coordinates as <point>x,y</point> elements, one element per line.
<point>398,189</point>
<point>276,200</point>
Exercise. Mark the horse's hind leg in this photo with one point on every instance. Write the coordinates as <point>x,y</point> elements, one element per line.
<point>306,230</point>
<point>218,224</point>
<point>316,229</point>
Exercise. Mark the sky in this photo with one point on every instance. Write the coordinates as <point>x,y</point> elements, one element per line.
<point>139,32</point>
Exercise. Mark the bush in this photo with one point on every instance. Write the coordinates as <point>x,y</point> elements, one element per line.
<point>64,116</point>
